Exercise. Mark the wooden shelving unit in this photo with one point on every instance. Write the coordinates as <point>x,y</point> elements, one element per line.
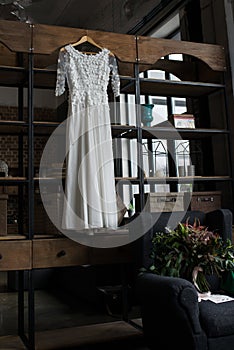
<point>33,52</point>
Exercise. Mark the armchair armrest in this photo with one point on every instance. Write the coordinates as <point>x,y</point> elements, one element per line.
<point>169,310</point>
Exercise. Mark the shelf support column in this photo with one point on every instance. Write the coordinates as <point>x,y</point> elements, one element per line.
<point>139,130</point>
<point>29,340</point>
<point>31,316</point>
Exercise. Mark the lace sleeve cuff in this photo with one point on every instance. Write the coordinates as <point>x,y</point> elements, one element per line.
<point>115,81</point>
<point>61,76</point>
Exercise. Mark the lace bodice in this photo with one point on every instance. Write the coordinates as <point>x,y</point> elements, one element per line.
<point>87,76</point>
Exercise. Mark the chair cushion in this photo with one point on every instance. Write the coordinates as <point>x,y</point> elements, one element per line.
<point>217,319</point>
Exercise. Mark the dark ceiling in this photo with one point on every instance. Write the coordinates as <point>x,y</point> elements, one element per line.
<point>120,16</point>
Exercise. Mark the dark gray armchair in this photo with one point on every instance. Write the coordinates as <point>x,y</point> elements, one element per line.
<point>171,314</point>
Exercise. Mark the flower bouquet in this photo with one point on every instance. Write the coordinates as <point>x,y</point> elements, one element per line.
<point>191,252</point>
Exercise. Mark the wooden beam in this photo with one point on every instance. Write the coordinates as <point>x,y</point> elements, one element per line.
<point>47,39</point>
<point>152,49</point>
<point>16,36</point>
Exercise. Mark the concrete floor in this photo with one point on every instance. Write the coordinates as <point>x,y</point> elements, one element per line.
<point>56,309</point>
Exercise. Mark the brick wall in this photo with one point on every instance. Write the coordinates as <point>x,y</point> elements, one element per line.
<point>44,114</point>
<point>9,151</point>
<point>10,143</point>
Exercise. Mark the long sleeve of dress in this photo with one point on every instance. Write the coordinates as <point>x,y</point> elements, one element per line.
<point>61,75</point>
<point>115,81</point>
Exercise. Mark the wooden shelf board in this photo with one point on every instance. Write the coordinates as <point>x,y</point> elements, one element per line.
<point>13,127</point>
<point>43,123</point>
<point>185,179</point>
<point>13,76</point>
<point>12,237</point>
<point>118,131</point>
<point>13,123</point>
<point>133,180</point>
<point>49,179</point>
<point>12,68</point>
<point>46,128</point>
<point>159,179</point>
<point>174,178</point>
<point>170,132</point>
<point>46,236</point>
<point>123,131</point>
<point>11,179</point>
<point>157,87</point>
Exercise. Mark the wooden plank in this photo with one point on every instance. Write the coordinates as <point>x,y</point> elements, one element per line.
<point>15,255</point>
<point>150,50</point>
<point>13,178</point>
<point>104,238</point>
<point>12,237</point>
<point>55,252</point>
<point>7,57</point>
<point>185,70</point>
<point>47,39</point>
<point>12,33</point>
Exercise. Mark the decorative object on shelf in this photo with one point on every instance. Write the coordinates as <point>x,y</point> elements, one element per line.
<point>183,154</point>
<point>181,171</point>
<point>161,202</point>
<point>186,121</point>
<point>206,201</point>
<point>192,252</point>
<point>158,156</point>
<point>191,170</point>
<point>3,169</point>
<point>160,173</point>
<point>146,114</point>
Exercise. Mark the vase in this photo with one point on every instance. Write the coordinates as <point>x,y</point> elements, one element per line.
<point>3,168</point>
<point>146,114</point>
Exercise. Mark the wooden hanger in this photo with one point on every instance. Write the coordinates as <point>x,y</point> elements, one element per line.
<point>84,39</point>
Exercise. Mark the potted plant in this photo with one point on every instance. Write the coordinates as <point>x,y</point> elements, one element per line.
<point>191,252</point>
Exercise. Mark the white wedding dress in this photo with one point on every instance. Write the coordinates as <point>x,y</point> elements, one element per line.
<point>90,196</point>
